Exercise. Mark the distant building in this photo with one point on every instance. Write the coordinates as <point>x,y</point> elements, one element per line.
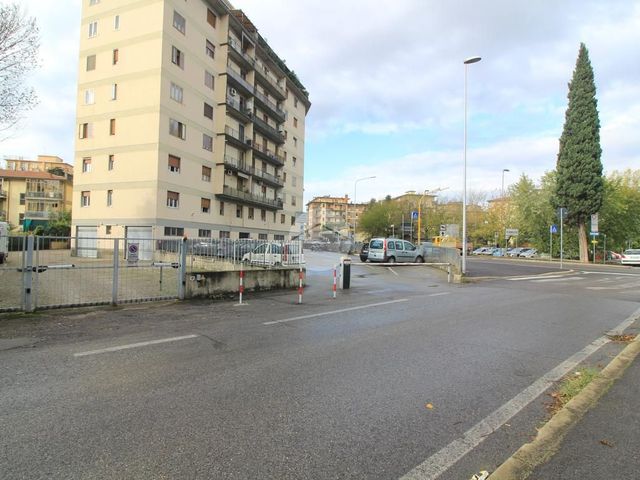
<point>413,199</point>
<point>32,190</point>
<point>327,216</point>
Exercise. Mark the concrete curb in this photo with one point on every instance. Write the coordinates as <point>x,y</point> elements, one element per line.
<point>547,442</point>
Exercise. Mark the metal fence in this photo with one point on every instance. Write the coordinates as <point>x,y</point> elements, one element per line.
<point>443,255</point>
<point>53,272</point>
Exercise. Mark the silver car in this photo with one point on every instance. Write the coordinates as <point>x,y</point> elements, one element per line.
<point>391,250</point>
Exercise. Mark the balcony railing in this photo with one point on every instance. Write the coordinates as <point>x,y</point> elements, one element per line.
<point>3,194</point>
<point>233,133</point>
<point>3,215</point>
<point>271,156</point>
<point>36,214</point>
<point>247,197</point>
<point>234,103</point>
<point>272,132</point>
<point>277,111</point>
<point>272,83</point>
<point>267,177</point>
<point>239,80</point>
<point>44,195</point>
<point>237,164</point>
<point>237,47</point>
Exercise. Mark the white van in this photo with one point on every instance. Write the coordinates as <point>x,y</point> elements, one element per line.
<point>4,242</point>
<point>391,250</point>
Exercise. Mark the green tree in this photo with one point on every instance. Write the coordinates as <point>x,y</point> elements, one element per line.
<point>579,185</point>
<point>378,218</point>
<point>619,218</point>
<point>59,224</point>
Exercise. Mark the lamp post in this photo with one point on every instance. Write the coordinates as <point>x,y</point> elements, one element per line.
<point>504,226</point>
<point>502,189</point>
<point>467,62</point>
<point>355,208</point>
<point>426,192</point>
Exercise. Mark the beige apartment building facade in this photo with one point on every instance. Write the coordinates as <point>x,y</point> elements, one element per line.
<point>31,191</point>
<point>327,215</point>
<point>188,124</point>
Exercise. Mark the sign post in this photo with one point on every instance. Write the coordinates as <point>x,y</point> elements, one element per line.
<point>594,233</point>
<point>562,213</point>
<point>132,253</point>
<point>552,229</point>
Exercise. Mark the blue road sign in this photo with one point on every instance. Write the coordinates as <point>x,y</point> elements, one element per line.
<point>414,215</point>
<point>553,229</point>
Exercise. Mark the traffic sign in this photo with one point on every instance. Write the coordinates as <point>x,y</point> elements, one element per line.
<point>553,228</point>
<point>594,222</point>
<point>414,215</point>
<point>132,250</point>
<point>562,213</point>
<point>511,232</point>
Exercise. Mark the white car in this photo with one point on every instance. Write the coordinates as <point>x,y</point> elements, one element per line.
<point>630,257</point>
<point>274,254</point>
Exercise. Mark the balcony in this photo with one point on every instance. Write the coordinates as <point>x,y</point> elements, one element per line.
<point>268,131</point>
<point>260,201</point>
<point>236,138</point>
<point>3,215</point>
<point>240,56</point>
<point>3,193</point>
<point>273,180</point>
<point>270,107</point>
<point>36,214</point>
<point>237,165</point>
<point>238,110</point>
<point>270,83</point>
<point>237,81</point>
<point>266,154</point>
<point>44,195</point>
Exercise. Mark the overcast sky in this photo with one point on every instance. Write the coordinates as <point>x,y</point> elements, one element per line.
<point>386,80</point>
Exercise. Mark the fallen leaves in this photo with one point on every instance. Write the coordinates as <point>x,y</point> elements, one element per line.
<point>429,406</point>
<point>623,338</point>
<point>606,443</point>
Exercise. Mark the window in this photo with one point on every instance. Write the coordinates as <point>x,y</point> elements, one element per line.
<point>206,174</point>
<point>278,238</point>
<point>22,200</point>
<point>295,102</point>
<point>177,57</point>
<point>85,199</point>
<point>208,79</point>
<point>208,111</point>
<point>204,233</point>
<point>109,198</point>
<point>115,56</point>
<point>112,126</point>
<point>210,50</point>
<point>295,142</point>
<point>94,2</point>
<point>238,211</point>
<point>107,229</point>
<point>176,92</point>
<point>224,234</point>
<point>177,129</point>
<point>205,205</point>
<point>89,97</point>
<point>211,18</point>
<point>294,181</point>
<point>221,211</point>
<point>173,199</point>
<point>179,22</point>
<point>284,177</point>
<point>174,164</point>
<point>114,91</point>
<point>295,122</point>
<point>111,162</point>
<point>293,220</point>
<point>116,22</point>
<point>262,236</point>
<point>207,142</point>
<point>91,63</point>
<point>282,218</point>
<point>85,130</point>
<point>93,29</point>
<point>293,200</point>
<point>250,213</point>
<point>173,231</point>
<point>294,159</point>
<point>86,164</point>
<point>263,215</point>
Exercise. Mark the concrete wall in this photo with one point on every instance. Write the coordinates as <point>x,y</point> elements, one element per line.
<point>225,284</point>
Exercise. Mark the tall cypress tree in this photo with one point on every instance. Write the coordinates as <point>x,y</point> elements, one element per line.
<point>580,186</point>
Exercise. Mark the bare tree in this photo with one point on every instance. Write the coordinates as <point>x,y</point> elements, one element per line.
<point>19,45</point>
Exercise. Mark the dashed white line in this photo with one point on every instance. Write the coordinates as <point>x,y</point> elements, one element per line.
<point>332,312</point>
<point>438,294</point>
<point>133,345</point>
<point>393,271</point>
<point>563,279</point>
<point>442,460</point>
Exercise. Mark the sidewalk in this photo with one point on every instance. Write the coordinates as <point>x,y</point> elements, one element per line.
<point>605,444</point>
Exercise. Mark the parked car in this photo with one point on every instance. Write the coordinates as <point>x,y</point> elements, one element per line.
<point>207,248</point>
<point>528,253</point>
<point>364,252</point>
<point>499,252</point>
<point>391,250</point>
<point>275,254</point>
<point>630,256</point>
<point>488,251</point>
<point>479,251</point>
<point>235,249</point>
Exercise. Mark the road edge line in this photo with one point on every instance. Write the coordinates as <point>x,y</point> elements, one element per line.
<point>549,438</point>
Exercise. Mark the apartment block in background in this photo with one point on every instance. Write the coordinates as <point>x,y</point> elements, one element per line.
<point>328,216</point>
<point>33,190</point>
<point>188,123</point>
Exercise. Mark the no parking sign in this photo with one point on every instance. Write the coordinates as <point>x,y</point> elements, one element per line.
<point>132,252</point>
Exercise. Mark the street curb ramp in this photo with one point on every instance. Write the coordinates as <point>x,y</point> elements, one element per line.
<point>549,438</point>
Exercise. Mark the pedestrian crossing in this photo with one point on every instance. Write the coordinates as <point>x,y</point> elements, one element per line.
<point>593,281</point>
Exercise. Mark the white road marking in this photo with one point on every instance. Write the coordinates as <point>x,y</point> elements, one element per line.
<point>610,273</point>
<point>535,277</point>
<point>543,280</point>
<point>322,314</point>
<point>442,460</point>
<point>133,345</point>
<point>392,271</point>
<point>438,294</point>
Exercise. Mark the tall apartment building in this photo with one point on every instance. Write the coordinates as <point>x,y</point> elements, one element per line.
<point>188,124</point>
<point>327,215</point>
<point>33,190</point>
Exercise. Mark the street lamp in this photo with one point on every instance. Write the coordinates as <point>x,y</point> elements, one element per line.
<point>502,190</point>
<point>355,208</point>
<point>467,62</point>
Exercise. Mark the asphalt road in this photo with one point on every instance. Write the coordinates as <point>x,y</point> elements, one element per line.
<point>402,370</point>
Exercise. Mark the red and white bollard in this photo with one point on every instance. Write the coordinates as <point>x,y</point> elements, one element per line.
<point>241,283</point>
<point>335,281</point>
<point>300,287</point>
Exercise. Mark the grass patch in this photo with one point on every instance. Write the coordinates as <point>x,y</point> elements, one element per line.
<point>570,387</point>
